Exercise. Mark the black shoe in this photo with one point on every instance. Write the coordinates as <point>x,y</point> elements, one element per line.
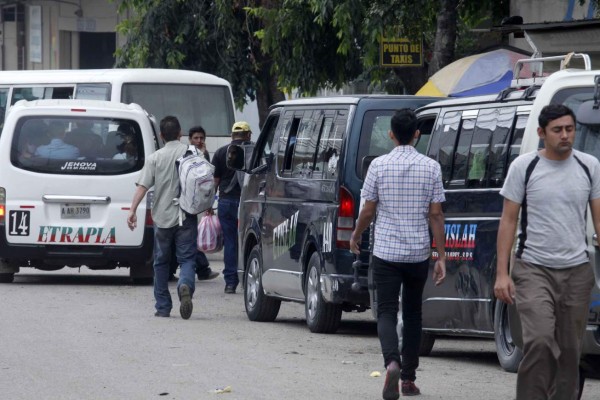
<point>162,314</point>
<point>390,387</point>
<point>207,276</point>
<point>186,307</point>
<point>230,289</point>
<point>173,278</point>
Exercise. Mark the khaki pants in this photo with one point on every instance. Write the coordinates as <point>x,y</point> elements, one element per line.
<point>553,306</point>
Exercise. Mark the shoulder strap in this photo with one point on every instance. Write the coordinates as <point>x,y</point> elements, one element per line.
<point>585,168</point>
<point>523,234</point>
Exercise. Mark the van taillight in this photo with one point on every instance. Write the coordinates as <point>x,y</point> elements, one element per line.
<point>2,205</point>
<point>345,222</point>
<point>149,221</point>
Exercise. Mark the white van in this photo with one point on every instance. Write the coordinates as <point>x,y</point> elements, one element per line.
<point>195,98</point>
<point>68,172</point>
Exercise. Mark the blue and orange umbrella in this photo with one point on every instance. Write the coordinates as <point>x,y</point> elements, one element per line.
<point>485,73</point>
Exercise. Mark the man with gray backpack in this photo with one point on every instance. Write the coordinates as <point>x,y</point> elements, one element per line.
<point>174,226</point>
<point>230,188</point>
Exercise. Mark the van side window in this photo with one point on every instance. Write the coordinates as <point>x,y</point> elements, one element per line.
<point>41,92</point>
<point>320,159</point>
<point>330,145</point>
<point>443,142</point>
<point>461,155</point>
<point>288,143</point>
<point>306,146</point>
<point>501,127</point>
<point>265,145</point>
<point>517,138</point>
<point>425,127</point>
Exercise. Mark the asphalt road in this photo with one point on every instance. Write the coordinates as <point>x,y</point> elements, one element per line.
<point>92,335</point>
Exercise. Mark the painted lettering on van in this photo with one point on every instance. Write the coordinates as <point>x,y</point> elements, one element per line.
<point>78,166</point>
<point>284,236</point>
<point>67,234</point>
<point>460,242</point>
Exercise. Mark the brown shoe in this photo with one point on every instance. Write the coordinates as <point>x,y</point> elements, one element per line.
<point>409,388</point>
<point>390,387</point>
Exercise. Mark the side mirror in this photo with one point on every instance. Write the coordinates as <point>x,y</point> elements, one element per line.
<point>239,156</point>
<point>589,113</point>
<point>364,167</point>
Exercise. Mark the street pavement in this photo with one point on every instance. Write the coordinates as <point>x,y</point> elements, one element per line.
<point>81,334</point>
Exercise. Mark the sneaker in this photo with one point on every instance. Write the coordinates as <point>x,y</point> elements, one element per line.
<point>186,307</point>
<point>390,387</point>
<point>230,289</point>
<point>162,314</point>
<point>208,276</point>
<point>409,388</point>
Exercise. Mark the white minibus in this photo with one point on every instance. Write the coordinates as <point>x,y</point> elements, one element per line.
<point>195,98</point>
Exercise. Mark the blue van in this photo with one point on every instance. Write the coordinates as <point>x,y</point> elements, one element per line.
<point>300,201</point>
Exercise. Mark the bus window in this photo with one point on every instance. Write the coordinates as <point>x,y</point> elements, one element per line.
<point>41,92</point>
<point>93,91</point>
<point>205,105</point>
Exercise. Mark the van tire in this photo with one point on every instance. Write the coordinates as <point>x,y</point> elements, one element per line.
<point>142,274</point>
<point>259,306</point>
<point>7,278</point>
<point>509,355</point>
<point>321,317</point>
<point>427,342</point>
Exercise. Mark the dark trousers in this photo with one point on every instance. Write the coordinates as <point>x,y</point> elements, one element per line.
<point>389,277</point>
<point>227,212</point>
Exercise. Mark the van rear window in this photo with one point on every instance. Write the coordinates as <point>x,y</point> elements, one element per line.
<point>77,145</point>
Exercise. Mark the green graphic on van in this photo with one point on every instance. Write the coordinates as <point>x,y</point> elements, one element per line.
<point>67,234</point>
<point>284,235</point>
<point>460,242</point>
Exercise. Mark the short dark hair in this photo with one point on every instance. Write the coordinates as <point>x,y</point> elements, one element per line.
<point>404,125</point>
<point>554,111</point>
<point>170,128</point>
<point>196,129</point>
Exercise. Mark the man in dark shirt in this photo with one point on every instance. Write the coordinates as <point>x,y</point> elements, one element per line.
<point>230,188</point>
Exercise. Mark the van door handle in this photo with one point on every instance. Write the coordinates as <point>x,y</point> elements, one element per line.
<point>54,198</point>
<point>595,240</point>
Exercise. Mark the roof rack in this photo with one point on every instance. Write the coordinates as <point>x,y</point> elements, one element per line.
<point>538,80</point>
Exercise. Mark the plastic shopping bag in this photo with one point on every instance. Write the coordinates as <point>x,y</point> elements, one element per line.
<point>210,234</point>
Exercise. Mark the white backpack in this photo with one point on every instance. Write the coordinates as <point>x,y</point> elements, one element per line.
<point>196,182</point>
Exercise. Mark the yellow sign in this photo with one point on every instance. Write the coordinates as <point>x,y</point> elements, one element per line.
<point>400,53</point>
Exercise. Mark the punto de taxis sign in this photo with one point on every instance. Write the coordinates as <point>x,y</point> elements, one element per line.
<point>400,52</point>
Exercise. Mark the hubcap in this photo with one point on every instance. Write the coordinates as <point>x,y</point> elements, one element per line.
<point>252,283</point>
<point>312,292</point>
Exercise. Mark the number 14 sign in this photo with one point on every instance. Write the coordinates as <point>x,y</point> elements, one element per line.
<point>18,223</point>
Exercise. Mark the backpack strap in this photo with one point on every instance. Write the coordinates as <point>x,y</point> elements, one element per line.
<point>523,234</point>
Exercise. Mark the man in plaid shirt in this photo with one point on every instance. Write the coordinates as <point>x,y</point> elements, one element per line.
<point>404,188</point>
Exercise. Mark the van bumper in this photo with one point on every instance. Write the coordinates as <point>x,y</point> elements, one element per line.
<point>95,257</point>
<point>336,288</point>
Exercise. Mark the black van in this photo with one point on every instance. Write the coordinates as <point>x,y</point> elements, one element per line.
<point>300,202</point>
<point>474,140</point>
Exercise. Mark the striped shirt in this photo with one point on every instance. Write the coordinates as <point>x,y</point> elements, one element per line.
<point>403,183</point>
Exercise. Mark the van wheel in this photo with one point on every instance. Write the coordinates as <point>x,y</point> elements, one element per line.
<point>427,342</point>
<point>321,317</point>
<point>142,274</point>
<point>7,278</point>
<point>259,306</point>
<point>508,353</point>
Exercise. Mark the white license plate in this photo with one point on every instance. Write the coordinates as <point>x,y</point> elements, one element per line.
<point>75,211</point>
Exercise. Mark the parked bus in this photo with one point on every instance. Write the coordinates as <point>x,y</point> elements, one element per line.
<point>195,98</point>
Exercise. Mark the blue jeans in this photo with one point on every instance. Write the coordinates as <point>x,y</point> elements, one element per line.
<point>228,217</point>
<point>183,238</point>
<point>388,278</point>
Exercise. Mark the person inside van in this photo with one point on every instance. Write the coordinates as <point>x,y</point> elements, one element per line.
<point>85,139</point>
<point>127,150</point>
<point>404,188</point>
<point>57,148</point>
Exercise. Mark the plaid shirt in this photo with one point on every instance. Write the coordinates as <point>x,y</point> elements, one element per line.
<point>403,183</point>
